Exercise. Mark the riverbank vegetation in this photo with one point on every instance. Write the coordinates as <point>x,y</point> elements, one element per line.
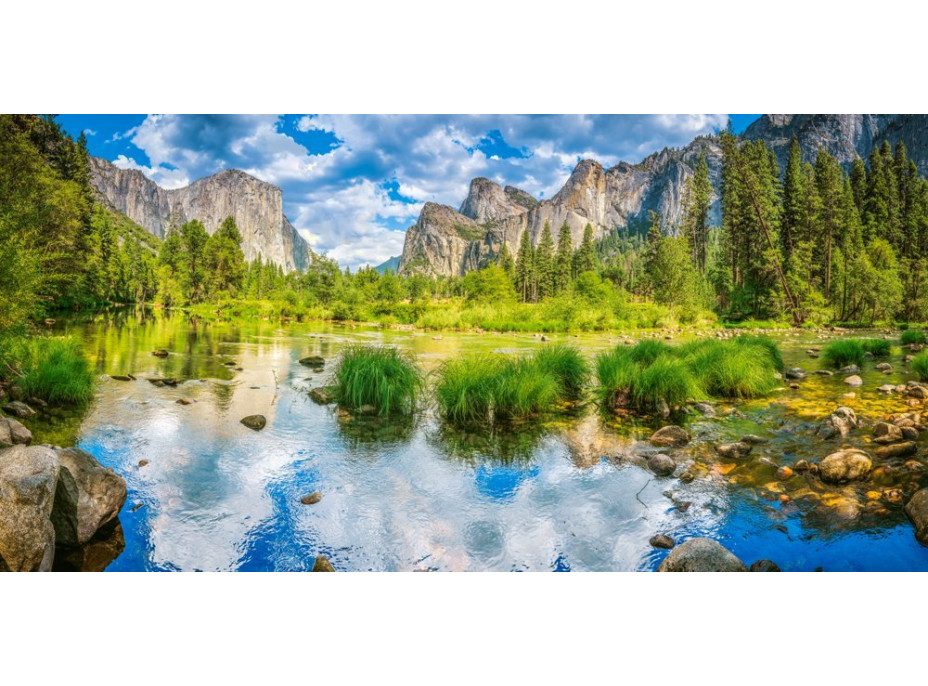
<point>54,370</point>
<point>377,379</point>
<point>854,351</point>
<point>919,365</point>
<point>912,337</point>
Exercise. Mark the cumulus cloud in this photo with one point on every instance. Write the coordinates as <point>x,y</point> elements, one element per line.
<point>353,194</point>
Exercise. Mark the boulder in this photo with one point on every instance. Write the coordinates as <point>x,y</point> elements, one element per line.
<point>19,409</point>
<point>885,432</point>
<point>838,424</point>
<point>28,476</point>
<point>701,555</point>
<point>89,496</point>
<point>662,465</point>
<point>896,450</point>
<point>854,381</point>
<point>255,422</point>
<point>845,465</point>
<point>13,433</point>
<point>670,437</point>
<point>917,511</point>
<point>734,451</point>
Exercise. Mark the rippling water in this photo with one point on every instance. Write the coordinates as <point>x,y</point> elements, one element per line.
<point>215,495</point>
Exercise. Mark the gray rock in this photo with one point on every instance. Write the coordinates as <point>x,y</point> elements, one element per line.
<point>854,381</point>
<point>850,369</point>
<point>734,451</point>
<point>838,424</point>
<point>704,409</point>
<point>662,541</point>
<point>917,511</point>
<point>845,465</point>
<point>255,422</point>
<point>884,367</point>
<point>896,450</point>
<point>701,555</point>
<point>311,498</point>
<point>919,392</point>
<point>884,432</point>
<point>670,437</point>
<point>89,496</point>
<point>662,465</point>
<point>764,566</point>
<point>323,395</point>
<point>13,433</point>
<point>256,206</point>
<point>796,373</point>
<point>28,476</point>
<point>19,409</point>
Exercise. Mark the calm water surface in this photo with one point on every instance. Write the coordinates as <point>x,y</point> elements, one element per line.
<point>416,495</point>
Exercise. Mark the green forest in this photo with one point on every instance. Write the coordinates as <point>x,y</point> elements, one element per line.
<point>811,244</point>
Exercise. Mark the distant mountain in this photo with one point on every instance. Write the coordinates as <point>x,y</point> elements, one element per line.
<point>256,206</point>
<point>449,242</point>
<point>390,265</point>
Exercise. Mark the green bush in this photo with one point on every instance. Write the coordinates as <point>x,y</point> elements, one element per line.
<point>920,365</point>
<point>385,378</point>
<point>844,352</point>
<point>911,336</point>
<point>53,369</point>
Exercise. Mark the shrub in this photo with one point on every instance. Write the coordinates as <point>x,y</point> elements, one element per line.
<point>844,352</point>
<point>53,369</point>
<point>920,365</point>
<point>911,336</point>
<point>385,378</point>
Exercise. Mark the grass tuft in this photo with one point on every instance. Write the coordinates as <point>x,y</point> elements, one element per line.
<point>385,378</point>
<point>919,365</point>
<point>51,368</point>
<point>844,352</point>
<point>466,388</point>
<point>567,365</point>
<point>912,336</point>
<point>877,347</point>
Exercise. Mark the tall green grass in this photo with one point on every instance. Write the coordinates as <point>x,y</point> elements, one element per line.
<point>486,388</point>
<point>53,369</point>
<point>844,352</point>
<point>911,336</point>
<point>642,380</point>
<point>385,378</point>
<point>877,347</point>
<point>919,365</point>
<point>768,344</point>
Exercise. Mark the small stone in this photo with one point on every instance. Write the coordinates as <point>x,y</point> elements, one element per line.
<point>256,422</point>
<point>752,439</point>
<point>121,377</point>
<point>734,450</point>
<point>186,401</point>
<point>19,409</point>
<point>662,465</point>
<point>795,373</point>
<point>909,433</point>
<point>850,369</point>
<point>670,436</point>
<point>801,466</point>
<point>886,388</point>
<point>311,498</point>
<point>704,409</point>
<point>845,465</point>
<point>896,450</point>
<point>313,361</point>
<point>884,367</point>
<point>323,395</point>
<point>161,352</point>
<point>917,511</point>
<point>662,541</point>
<point>764,566</point>
<point>322,564</point>
<point>919,392</point>
<point>885,432</point>
<point>854,381</point>
<point>784,472</point>
<point>143,463</point>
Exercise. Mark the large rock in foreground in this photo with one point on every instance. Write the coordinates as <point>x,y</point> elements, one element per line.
<point>845,465</point>
<point>89,496</point>
<point>701,555</point>
<point>917,510</point>
<point>28,476</point>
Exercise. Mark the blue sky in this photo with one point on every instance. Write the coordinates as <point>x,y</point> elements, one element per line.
<point>352,184</point>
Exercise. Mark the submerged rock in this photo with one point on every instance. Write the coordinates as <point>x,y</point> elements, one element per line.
<point>322,564</point>
<point>313,361</point>
<point>122,377</point>
<point>662,541</point>
<point>919,392</point>
<point>670,437</point>
<point>845,465</point>
<point>705,409</point>
<point>160,352</point>
<point>885,432</point>
<point>28,477</point>
<point>17,408</point>
<point>896,450</point>
<point>255,422</point>
<point>323,395</point>
<point>662,465</point>
<point>88,496</point>
<point>795,373</point>
<point>884,367</point>
<point>850,369</point>
<point>917,511</point>
<point>764,566</point>
<point>701,555</point>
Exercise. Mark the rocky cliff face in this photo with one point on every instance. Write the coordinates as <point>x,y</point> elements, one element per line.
<point>445,242</point>
<point>256,206</point>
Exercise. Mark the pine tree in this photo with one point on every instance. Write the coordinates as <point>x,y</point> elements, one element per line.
<point>586,255</point>
<point>224,260</point>
<point>544,264</point>
<point>565,251</point>
<point>794,199</point>
<point>698,201</point>
<point>828,182</point>
<point>525,268</point>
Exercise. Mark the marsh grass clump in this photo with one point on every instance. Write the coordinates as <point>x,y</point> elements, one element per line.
<point>768,344</point>
<point>567,365</point>
<point>911,336</point>
<point>877,347</point>
<point>51,368</point>
<point>645,381</point>
<point>484,388</point>
<point>385,378</point>
<point>844,352</point>
<point>919,365</point>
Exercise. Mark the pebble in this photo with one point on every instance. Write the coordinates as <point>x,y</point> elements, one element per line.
<point>311,498</point>
<point>662,541</point>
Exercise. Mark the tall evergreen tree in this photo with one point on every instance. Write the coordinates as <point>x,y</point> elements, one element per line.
<point>698,201</point>
<point>525,268</point>
<point>794,199</point>
<point>563,266</point>
<point>544,264</point>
